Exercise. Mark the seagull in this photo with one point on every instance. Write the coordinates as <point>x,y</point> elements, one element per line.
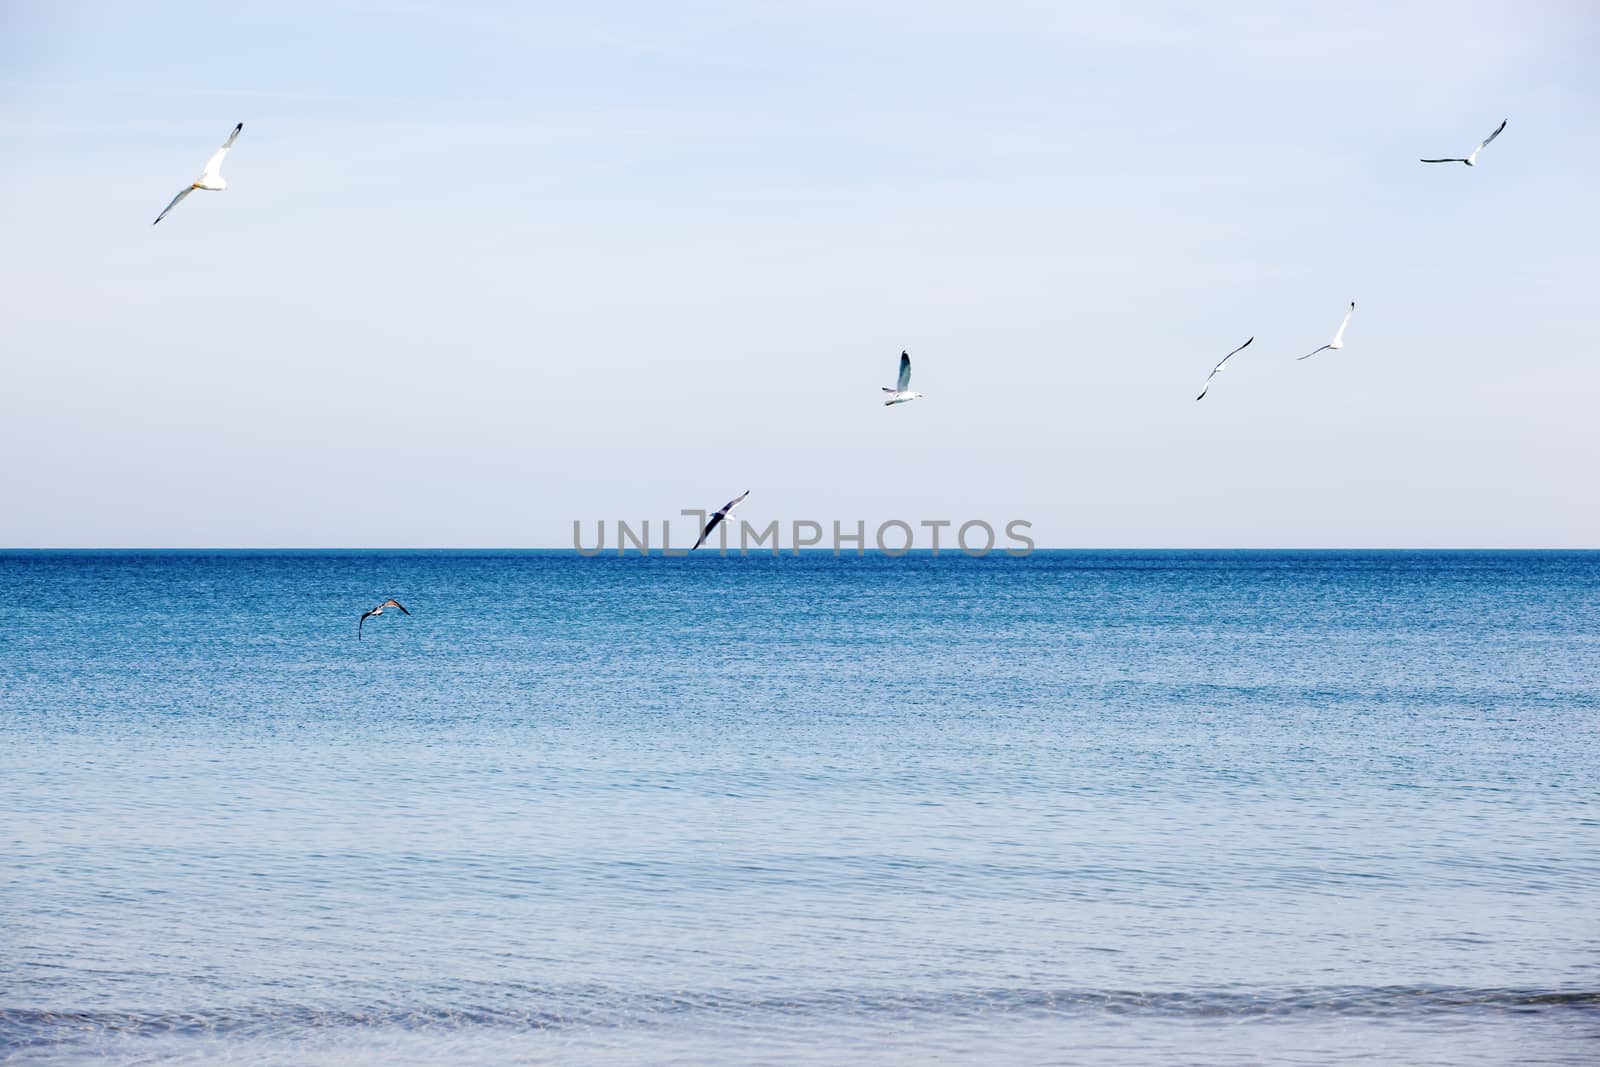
<point>1338,338</point>
<point>1472,159</point>
<point>900,394</point>
<point>717,517</point>
<point>1220,367</point>
<point>211,178</point>
<point>379,611</point>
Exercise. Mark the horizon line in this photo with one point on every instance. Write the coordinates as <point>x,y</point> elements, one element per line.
<point>755,552</point>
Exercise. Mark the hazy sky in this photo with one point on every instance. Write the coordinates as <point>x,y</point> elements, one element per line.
<point>479,274</point>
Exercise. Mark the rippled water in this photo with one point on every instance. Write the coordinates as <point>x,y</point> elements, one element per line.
<point>1080,807</point>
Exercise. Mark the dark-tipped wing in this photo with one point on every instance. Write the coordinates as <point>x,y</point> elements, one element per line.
<point>717,517</point>
<point>1441,161</point>
<point>1493,135</point>
<point>1220,364</point>
<point>175,202</point>
<point>213,170</point>
<point>396,604</point>
<point>1229,356</point>
<point>710,525</point>
<point>904,382</point>
<point>1308,355</point>
<point>363,622</point>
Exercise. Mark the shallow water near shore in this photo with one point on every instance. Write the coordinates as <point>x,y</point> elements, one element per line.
<point>1109,807</point>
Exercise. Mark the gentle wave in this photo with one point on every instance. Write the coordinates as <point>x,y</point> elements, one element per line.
<point>604,1009</point>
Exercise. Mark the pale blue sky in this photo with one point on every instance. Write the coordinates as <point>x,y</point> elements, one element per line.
<point>479,274</point>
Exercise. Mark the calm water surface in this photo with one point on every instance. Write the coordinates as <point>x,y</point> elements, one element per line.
<point>1077,808</point>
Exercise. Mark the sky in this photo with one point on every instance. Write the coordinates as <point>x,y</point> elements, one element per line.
<point>486,269</point>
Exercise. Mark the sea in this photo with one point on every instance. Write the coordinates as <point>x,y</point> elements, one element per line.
<point>1079,807</point>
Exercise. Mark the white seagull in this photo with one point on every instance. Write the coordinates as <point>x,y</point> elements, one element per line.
<point>1473,159</point>
<point>717,517</point>
<point>900,394</point>
<point>379,611</point>
<point>1220,367</point>
<point>210,179</point>
<point>1338,338</point>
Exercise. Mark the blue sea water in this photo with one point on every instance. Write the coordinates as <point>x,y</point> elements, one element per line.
<point>1083,807</point>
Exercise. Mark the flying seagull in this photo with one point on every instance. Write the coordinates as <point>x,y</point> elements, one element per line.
<point>717,517</point>
<point>1338,338</point>
<point>211,178</point>
<point>1472,159</point>
<point>379,611</point>
<point>1220,367</point>
<point>900,393</point>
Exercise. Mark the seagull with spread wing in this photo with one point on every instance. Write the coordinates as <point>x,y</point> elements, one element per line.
<point>1220,367</point>
<point>210,179</point>
<point>717,517</point>
<point>901,393</point>
<point>379,611</point>
<point>1338,338</point>
<point>1473,159</point>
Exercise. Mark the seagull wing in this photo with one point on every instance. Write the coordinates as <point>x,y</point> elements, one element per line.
<point>1338,338</point>
<point>175,201</point>
<point>396,604</point>
<point>1230,355</point>
<point>905,373</point>
<point>1308,355</point>
<point>1222,363</point>
<point>711,525</point>
<point>717,517</point>
<point>214,164</point>
<point>1491,137</point>
<point>363,622</point>
<point>1442,161</point>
